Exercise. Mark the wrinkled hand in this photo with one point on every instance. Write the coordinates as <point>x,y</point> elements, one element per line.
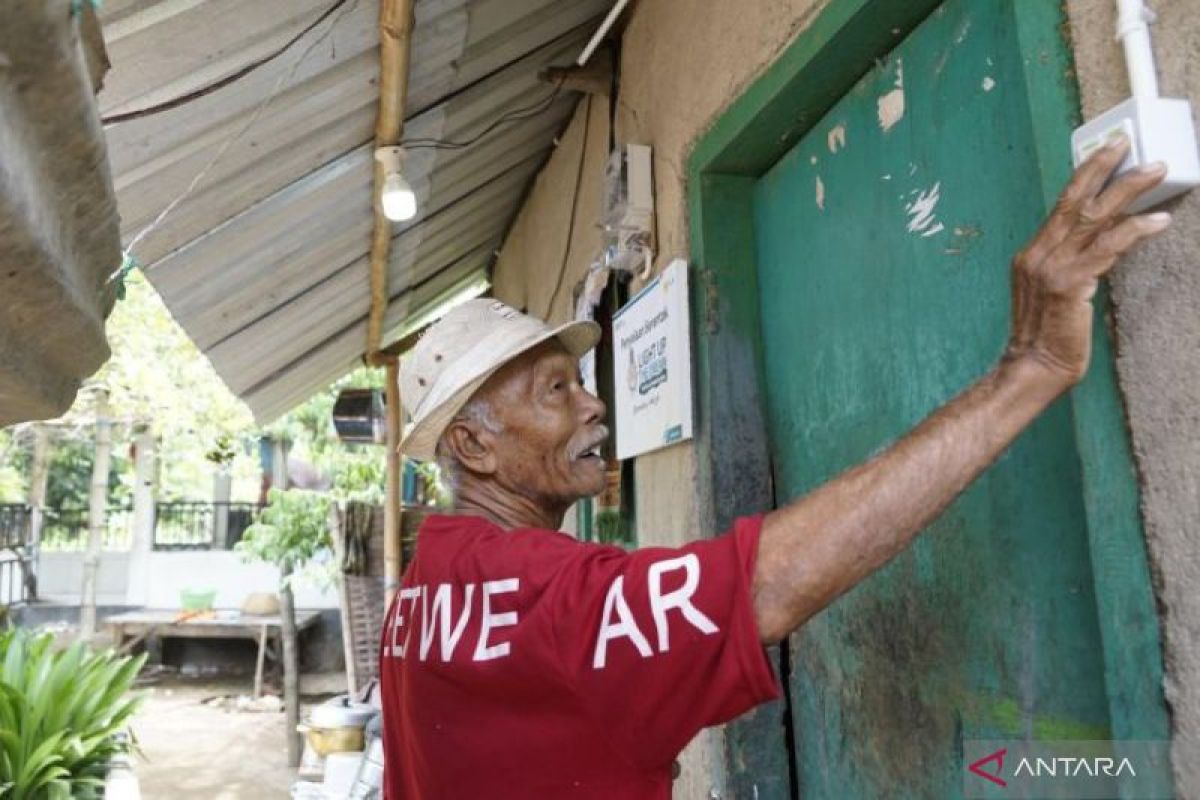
<point>1055,276</point>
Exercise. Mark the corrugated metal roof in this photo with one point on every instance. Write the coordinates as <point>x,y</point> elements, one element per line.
<point>265,263</point>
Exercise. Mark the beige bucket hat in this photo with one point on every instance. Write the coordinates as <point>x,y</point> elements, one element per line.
<point>460,352</point>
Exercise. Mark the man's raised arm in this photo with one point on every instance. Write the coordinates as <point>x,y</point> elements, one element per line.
<point>816,548</point>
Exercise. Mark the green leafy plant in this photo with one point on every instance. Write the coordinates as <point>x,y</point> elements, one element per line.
<point>291,530</point>
<point>611,527</point>
<point>436,492</point>
<point>61,713</point>
<point>359,477</point>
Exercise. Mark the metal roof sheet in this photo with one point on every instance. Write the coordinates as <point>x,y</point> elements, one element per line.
<point>265,264</point>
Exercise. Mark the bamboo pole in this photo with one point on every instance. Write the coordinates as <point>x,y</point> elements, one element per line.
<point>395,40</point>
<point>97,516</point>
<point>393,556</point>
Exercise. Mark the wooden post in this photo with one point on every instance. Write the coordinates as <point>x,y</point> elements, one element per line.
<point>260,662</point>
<point>291,666</point>
<point>338,537</point>
<point>39,474</point>
<point>287,625</point>
<point>392,554</point>
<point>97,516</point>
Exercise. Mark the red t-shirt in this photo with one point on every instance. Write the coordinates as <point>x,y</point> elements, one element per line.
<point>526,664</point>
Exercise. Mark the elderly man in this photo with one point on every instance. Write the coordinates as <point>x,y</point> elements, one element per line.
<point>520,663</point>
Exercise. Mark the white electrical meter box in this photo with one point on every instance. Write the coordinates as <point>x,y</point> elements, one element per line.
<point>629,190</point>
<point>629,211</point>
<point>1159,129</point>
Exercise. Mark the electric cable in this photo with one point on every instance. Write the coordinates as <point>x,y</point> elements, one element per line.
<point>285,77</point>
<point>514,115</point>
<point>221,83</point>
<point>562,271</point>
<point>511,116</point>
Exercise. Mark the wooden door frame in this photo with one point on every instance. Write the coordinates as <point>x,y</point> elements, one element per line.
<point>733,474</point>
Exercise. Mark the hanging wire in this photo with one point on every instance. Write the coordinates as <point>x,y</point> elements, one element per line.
<point>221,83</point>
<point>514,115</point>
<point>566,257</point>
<point>129,260</point>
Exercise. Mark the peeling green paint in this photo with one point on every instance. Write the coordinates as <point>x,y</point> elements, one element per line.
<point>779,109</point>
<point>1008,718</point>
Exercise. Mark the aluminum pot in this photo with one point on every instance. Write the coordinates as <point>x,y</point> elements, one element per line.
<point>340,713</point>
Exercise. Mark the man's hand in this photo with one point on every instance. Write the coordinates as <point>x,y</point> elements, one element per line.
<point>818,547</point>
<point>1055,276</point>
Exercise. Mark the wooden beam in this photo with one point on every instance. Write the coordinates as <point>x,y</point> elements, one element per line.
<point>393,557</point>
<point>595,78</point>
<point>395,40</point>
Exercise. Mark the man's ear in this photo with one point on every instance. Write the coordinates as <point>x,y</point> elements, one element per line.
<point>472,447</point>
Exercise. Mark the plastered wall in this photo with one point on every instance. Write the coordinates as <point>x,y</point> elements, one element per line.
<point>1156,298</point>
<point>682,62</point>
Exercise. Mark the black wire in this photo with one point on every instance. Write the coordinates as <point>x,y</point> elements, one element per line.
<point>562,271</point>
<point>195,94</point>
<point>515,115</point>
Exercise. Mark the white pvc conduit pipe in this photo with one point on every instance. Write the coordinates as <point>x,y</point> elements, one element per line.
<point>602,31</point>
<point>1133,29</point>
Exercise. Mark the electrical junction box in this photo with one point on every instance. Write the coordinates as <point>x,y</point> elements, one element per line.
<point>629,189</point>
<point>628,211</point>
<point>1159,129</point>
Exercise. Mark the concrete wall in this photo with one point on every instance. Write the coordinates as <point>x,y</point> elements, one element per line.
<point>683,62</point>
<point>165,574</point>
<point>60,577</point>
<point>1156,294</point>
<point>226,572</point>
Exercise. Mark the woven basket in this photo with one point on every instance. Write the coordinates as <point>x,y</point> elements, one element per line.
<point>364,596</point>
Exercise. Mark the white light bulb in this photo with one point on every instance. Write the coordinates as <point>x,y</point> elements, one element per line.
<point>398,199</point>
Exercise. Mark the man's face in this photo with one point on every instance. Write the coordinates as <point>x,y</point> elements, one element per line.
<point>548,449</point>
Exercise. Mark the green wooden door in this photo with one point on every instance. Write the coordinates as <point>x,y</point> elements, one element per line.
<point>883,241</point>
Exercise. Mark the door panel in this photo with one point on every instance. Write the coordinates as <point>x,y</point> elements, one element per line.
<point>883,246</point>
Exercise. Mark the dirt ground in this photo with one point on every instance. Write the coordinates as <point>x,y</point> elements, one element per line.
<point>197,752</point>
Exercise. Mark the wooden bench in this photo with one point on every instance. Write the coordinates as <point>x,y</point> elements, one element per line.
<point>132,627</point>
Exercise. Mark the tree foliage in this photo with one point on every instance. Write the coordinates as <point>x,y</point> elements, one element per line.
<point>156,375</point>
<point>291,530</point>
<point>357,471</point>
<point>12,473</point>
